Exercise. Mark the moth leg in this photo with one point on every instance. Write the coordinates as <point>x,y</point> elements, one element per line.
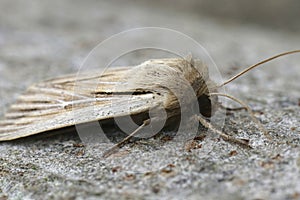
<point>114,148</point>
<point>244,143</point>
<point>257,122</point>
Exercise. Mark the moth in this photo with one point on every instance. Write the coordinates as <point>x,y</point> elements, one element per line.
<point>52,104</point>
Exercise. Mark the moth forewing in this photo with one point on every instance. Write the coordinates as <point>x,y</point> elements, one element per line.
<point>52,104</point>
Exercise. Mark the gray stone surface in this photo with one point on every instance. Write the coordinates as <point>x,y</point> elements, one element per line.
<point>40,40</point>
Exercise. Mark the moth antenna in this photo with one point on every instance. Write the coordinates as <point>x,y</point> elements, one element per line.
<point>223,135</point>
<point>260,126</point>
<point>256,65</point>
<point>110,151</point>
<point>232,109</point>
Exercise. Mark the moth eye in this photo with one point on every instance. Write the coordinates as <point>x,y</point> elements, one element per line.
<point>205,106</point>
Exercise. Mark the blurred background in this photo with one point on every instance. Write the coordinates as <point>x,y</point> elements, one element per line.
<point>273,14</point>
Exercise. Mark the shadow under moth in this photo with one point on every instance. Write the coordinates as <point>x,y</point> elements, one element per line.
<point>52,104</point>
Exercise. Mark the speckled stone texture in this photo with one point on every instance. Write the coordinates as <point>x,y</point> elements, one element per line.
<point>40,40</point>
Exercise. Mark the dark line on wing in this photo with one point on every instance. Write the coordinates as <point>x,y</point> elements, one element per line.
<point>122,93</point>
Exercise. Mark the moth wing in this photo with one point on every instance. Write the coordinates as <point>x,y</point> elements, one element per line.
<point>70,100</point>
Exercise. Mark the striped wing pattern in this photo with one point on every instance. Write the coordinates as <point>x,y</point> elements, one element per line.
<point>70,100</point>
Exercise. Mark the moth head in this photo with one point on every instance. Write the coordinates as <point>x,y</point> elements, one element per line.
<point>208,105</point>
<point>213,88</point>
<point>196,71</point>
